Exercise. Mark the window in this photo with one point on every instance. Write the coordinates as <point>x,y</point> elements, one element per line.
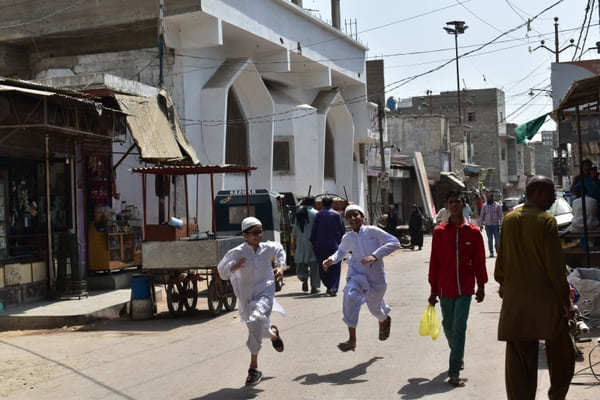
<point>503,152</point>
<point>238,213</point>
<point>501,116</point>
<point>329,169</point>
<point>283,154</point>
<point>236,142</point>
<point>471,116</point>
<point>469,147</point>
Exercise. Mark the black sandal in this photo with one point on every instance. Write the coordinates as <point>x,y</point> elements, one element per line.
<point>346,346</point>
<point>384,328</point>
<point>277,343</point>
<point>254,377</point>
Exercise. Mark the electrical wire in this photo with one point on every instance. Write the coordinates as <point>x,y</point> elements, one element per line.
<point>587,30</point>
<point>587,11</point>
<point>52,14</point>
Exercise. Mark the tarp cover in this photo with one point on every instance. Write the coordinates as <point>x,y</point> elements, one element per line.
<point>155,127</point>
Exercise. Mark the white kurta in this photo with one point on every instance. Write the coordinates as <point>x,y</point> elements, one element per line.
<point>254,286</point>
<point>365,283</point>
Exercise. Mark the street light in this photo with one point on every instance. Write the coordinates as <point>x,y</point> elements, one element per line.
<point>456,28</point>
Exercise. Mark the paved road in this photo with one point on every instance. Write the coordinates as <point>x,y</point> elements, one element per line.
<point>199,357</point>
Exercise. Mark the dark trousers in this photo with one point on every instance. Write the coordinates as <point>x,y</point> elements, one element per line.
<point>522,366</point>
<point>331,278</point>
<point>455,312</point>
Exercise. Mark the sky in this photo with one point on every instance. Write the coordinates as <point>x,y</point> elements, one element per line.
<point>392,27</point>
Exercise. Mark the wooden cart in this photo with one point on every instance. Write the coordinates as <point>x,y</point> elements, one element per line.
<point>181,264</point>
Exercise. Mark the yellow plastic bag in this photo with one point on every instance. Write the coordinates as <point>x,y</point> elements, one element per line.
<point>430,324</point>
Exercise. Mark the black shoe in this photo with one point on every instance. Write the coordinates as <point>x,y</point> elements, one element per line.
<point>314,291</point>
<point>332,292</point>
<point>305,285</point>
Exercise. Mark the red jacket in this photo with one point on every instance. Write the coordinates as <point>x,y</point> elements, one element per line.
<point>445,278</point>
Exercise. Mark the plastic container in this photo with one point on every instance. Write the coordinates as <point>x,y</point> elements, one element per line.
<point>140,287</point>
<point>176,223</point>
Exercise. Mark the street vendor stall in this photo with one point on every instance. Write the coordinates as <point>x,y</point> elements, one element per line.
<point>180,262</point>
<point>581,103</point>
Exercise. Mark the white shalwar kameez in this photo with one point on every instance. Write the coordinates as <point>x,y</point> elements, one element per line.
<point>365,283</point>
<point>254,286</point>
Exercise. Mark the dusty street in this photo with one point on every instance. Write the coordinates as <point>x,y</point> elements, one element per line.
<point>199,357</point>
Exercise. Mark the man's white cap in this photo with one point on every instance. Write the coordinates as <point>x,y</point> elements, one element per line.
<point>354,207</point>
<point>249,222</point>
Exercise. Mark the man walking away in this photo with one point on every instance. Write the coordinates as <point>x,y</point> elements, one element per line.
<point>457,262</point>
<point>326,234</point>
<point>535,296</point>
<point>415,228</point>
<point>491,218</point>
<point>304,256</point>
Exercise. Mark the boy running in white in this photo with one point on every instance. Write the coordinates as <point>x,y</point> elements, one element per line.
<point>248,267</point>
<point>365,279</point>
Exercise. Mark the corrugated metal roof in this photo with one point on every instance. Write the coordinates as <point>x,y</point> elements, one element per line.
<point>155,128</point>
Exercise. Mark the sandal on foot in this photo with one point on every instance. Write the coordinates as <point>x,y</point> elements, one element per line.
<point>277,343</point>
<point>254,377</point>
<point>456,381</point>
<point>346,346</point>
<point>384,328</point>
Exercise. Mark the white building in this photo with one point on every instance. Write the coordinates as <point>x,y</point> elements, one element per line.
<point>260,82</point>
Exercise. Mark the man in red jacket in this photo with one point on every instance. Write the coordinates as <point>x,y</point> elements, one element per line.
<point>457,261</point>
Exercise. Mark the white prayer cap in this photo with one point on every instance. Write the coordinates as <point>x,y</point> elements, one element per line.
<point>249,222</point>
<point>354,207</point>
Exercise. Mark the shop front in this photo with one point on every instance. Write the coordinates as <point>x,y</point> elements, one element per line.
<point>45,134</point>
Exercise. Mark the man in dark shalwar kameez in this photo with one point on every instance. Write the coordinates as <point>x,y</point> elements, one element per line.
<point>415,227</point>
<point>326,235</point>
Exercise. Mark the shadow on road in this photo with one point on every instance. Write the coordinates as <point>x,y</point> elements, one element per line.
<point>71,369</point>
<point>233,394</point>
<point>420,387</point>
<point>345,377</point>
<point>159,323</point>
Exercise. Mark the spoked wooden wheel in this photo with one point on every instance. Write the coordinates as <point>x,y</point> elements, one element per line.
<point>176,297</point>
<point>190,292</point>
<point>229,298</point>
<point>215,301</point>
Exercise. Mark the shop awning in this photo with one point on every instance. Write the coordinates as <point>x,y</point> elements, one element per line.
<point>155,128</point>
<point>453,179</point>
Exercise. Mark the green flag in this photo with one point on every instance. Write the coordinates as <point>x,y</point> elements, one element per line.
<point>526,131</point>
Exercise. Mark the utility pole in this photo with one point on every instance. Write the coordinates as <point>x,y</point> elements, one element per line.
<point>557,50</point>
<point>459,28</point>
<point>383,174</point>
<point>161,42</point>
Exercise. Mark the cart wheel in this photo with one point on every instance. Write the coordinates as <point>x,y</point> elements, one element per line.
<point>215,302</point>
<point>405,241</point>
<point>190,289</point>
<point>175,297</point>
<point>229,298</point>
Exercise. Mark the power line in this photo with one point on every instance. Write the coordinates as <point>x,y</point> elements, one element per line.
<point>399,83</point>
<point>52,14</point>
<point>587,30</point>
<point>587,10</point>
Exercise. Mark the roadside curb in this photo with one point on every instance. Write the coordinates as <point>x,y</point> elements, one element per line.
<point>20,322</point>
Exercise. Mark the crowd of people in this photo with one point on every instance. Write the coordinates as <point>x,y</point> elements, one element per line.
<point>529,269</point>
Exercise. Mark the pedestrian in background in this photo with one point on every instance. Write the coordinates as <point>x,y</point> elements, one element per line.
<point>249,268</point>
<point>467,212</point>
<point>415,228</point>
<point>457,262</point>
<point>304,256</point>
<point>491,219</point>
<point>535,296</point>
<point>326,234</point>
<point>365,280</point>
